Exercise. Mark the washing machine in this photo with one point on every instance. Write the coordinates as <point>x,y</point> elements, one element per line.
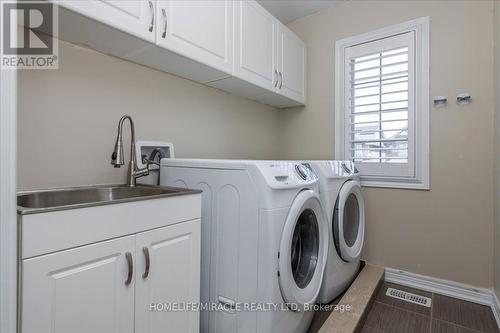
<point>264,242</point>
<point>340,193</point>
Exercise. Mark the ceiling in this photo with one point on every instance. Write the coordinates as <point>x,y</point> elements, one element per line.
<point>289,10</point>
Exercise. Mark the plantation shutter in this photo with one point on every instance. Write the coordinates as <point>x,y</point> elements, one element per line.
<point>380,106</point>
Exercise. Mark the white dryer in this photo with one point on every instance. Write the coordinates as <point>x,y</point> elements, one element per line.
<point>340,194</point>
<point>264,241</point>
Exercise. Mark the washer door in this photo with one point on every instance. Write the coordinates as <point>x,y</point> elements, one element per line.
<point>303,251</point>
<point>349,221</point>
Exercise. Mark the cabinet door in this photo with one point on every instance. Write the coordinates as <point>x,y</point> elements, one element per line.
<point>199,30</point>
<point>255,44</point>
<point>173,278</point>
<point>291,65</point>
<point>135,17</point>
<point>79,290</point>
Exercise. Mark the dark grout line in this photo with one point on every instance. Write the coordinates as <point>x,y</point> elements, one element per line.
<point>460,326</point>
<point>432,312</point>
<point>406,310</point>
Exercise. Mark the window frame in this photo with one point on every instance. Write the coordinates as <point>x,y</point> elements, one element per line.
<point>421,28</point>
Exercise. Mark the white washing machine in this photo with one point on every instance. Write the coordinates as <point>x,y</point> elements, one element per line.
<point>264,241</point>
<point>340,194</point>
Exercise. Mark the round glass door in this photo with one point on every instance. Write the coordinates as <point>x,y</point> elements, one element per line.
<point>303,250</point>
<point>349,222</point>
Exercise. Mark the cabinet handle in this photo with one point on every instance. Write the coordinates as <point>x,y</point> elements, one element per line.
<point>276,76</point>
<point>152,9</point>
<point>146,257</point>
<point>164,14</point>
<point>281,79</point>
<point>130,264</point>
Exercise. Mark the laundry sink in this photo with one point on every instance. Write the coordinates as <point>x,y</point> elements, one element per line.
<point>70,198</point>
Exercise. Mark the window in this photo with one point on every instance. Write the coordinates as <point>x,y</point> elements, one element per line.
<point>382,108</point>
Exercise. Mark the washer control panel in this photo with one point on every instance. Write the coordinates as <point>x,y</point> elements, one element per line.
<point>346,168</point>
<point>301,171</point>
<point>287,174</point>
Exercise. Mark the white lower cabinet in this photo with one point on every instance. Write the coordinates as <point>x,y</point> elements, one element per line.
<point>79,290</point>
<point>100,288</point>
<point>173,279</point>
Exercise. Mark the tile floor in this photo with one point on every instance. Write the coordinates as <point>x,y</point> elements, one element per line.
<point>446,315</point>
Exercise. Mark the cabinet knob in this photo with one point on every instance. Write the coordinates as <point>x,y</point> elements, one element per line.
<point>276,77</point>
<point>281,79</point>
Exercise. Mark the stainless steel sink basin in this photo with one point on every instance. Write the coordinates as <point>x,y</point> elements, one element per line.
<point>71,198</point>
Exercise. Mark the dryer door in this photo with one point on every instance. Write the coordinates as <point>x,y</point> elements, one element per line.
<point>349,221</point>
<point>303,251</point>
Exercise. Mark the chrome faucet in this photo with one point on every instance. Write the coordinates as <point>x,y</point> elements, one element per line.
<point>117,159</point>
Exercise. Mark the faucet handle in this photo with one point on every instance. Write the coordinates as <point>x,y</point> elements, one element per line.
<point>141,172</point>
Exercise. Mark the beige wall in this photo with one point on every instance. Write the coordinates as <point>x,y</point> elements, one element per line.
<point>497,148</point>
<point>445,232</point>
<point>68,119</point>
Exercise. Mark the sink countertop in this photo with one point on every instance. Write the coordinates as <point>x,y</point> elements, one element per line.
<point>168,192</point>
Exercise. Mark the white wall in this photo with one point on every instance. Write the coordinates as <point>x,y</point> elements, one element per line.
<point>68,119</point>
<point>446,232</point>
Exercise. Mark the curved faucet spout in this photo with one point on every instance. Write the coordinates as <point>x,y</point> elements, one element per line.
<point>117,158</point>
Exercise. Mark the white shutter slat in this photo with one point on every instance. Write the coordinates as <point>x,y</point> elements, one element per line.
<point>378,67</point>
<point>380,94</point>
<point>376,122</point>
<point>383,57</point>
<point>378,81</point>
<point>361,113</point>
<point>384,77</point>
<point>379,103</point>
<point>379,140</point>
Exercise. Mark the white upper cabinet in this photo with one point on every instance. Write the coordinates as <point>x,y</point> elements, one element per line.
<point>255,44</point>
<point>236,46</point>
<point>291,65</point>
<point>135,17</point>
<point>200,30</point>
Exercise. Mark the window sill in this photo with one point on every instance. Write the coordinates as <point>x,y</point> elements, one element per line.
<point>401,183</point>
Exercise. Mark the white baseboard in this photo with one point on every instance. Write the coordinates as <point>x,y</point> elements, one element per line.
<point>496,308</point>
<point>445,287</point>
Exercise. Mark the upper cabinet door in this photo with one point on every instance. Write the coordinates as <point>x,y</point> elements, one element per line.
<point>255,44</point>
<point>291,65</point>
<point>199,30</point>
<point>86,289</point>
<point>136,17</point>
<point>168,273</point>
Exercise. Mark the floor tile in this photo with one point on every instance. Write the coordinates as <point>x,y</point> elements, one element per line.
<point>367,329</point>
<point>463,313</point>
<point>382,298</point>
<point>395,320</point>
<point>439,326</point>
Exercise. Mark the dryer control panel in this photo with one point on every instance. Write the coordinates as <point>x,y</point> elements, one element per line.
<point>336,169</point>
<point>285,174</point>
